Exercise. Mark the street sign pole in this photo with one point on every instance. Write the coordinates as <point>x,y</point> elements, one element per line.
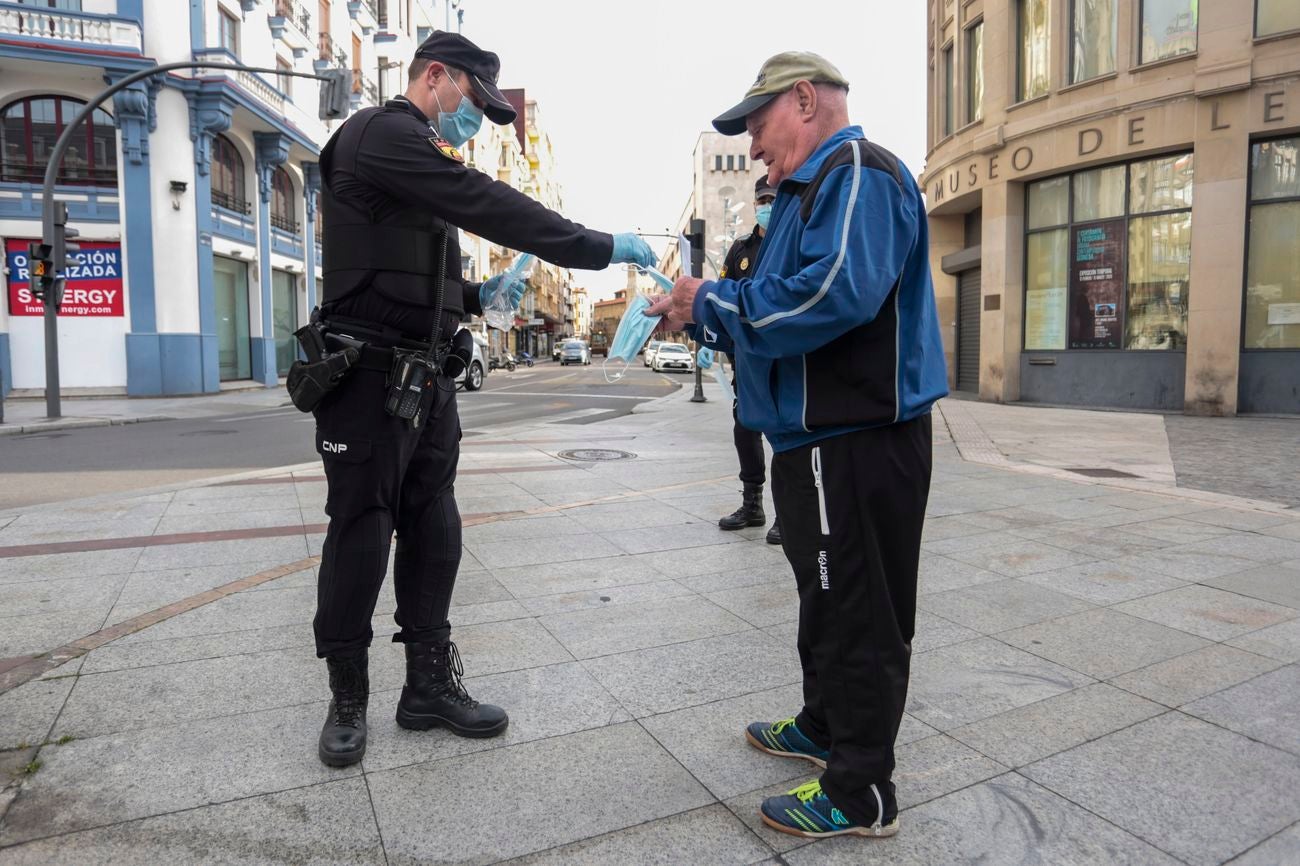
<point>696,238</point>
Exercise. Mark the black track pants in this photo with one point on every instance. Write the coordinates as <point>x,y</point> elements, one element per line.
<point>851,509</point>
<point>385,477</point>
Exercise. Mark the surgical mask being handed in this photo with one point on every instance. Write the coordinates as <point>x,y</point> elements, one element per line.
<point>762,214</point>
<point>460,125</point>
<point>633,332</point>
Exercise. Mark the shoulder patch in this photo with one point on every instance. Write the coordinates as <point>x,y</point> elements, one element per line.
<point>444,147</point>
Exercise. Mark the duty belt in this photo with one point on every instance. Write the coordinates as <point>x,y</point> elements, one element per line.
<point>375,342</point>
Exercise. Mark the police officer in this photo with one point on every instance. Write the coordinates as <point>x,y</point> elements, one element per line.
<point>395,190</point>
<point>739,264</point>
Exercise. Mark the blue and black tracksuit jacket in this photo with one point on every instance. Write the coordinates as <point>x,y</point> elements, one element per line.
<point>836,329</point>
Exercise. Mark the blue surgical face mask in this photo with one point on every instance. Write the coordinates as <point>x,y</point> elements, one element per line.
<point>763,213</point>
<point>459,126</point>
<point>633,332</point>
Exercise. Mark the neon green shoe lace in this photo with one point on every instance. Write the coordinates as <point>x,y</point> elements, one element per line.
<point>780,726</point>
<point>807,793</point>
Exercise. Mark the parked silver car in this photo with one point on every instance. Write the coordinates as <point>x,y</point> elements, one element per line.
<point>575,352</point>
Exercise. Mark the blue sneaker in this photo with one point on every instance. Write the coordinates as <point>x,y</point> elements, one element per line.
<point>807,811</point>
<point>785,740</point>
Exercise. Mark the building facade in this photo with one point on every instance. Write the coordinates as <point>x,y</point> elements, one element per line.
<point>195,194</point>
<point>1113,191</point>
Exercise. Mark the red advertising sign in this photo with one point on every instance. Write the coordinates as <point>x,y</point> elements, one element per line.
<point>94,286</point>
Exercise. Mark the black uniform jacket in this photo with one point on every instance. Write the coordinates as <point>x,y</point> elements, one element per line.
<point>740,259</point>
<point>387,167</point>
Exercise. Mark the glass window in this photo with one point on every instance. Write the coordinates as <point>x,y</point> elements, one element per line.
<point>1168,28</point>
<point>1034,24</point>
<point>234,350</point>
<point>1108,254</point>
<point>949,86</point>
<point>282,215</point>
<point>1273,257</point>
<point>228,176</point>
<point>1159,271</point>
<point>975,73</point>
<point>1161,184</point>
<point>28,129</point>
<point>1046,276</point>
<point>1099,194</point>
<point>1276,16</point>
<point>284,318</point>
<point>1049,203</point>
<point>229,33</point>
<point>1275,169</point>
<point>282,81</point>
<point>1093,40</point>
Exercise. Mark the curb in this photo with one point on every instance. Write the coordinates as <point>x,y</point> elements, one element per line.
<point>77,424</point>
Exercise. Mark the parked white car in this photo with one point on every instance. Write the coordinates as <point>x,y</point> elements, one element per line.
<point>650,351</point>
<point>472,378</point>
<point>673,357</point>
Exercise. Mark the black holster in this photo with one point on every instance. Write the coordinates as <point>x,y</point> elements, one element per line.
<point>309,381</point>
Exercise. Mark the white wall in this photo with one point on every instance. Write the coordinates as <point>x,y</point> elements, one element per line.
<point>175,245</point>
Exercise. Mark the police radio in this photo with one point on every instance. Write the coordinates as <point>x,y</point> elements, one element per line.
<point>414,374</point>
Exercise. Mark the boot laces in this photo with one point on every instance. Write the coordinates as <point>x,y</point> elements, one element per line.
<point>456,670</point>
<point>349,688</point>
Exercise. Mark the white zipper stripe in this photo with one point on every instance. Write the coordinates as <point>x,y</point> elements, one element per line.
<point>839,259</point>
<point>880,809</point>
<point>803,416</point>
<point>821,490</point>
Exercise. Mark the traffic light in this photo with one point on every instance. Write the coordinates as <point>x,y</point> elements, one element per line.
<point>335,94</point>
<point>40,259</point>
<point>64,247</point>
<point>696,237</point>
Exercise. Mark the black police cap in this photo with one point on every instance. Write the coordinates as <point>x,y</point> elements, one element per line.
<point>483,67</point>
<point>762,187</point>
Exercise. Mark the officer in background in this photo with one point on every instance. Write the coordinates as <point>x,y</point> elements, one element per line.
<point>395,191</point>
<point>739,264</point>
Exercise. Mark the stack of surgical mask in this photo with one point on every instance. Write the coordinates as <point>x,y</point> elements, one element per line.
<point>633,331</point>
<point>498,312</point>
<point>705,358</point>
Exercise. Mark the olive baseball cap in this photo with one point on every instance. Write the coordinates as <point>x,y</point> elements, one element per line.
<point>779,74</point>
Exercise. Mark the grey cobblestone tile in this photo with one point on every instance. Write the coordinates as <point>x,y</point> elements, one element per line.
<point>1102,643</point>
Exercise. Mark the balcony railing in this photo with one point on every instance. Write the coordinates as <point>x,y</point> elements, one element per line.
<point>66,25</point>
<point>295,12</point>
<point>364,88</point>
<point>251,82</point>
<point>26,172</point>
<point>231,203</point>
<point>381,14</point>
<point>325,47</point>
<point>286,224</point>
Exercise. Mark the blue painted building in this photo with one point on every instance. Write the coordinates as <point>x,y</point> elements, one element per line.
<point>196,192</point>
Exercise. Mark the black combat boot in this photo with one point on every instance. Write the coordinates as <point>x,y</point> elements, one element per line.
<point>774,534</point>
<point>343,739</point>
<point>434,695</point>
<point>750,512</point>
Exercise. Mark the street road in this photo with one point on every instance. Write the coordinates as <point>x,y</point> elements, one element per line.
<point>68,464</point>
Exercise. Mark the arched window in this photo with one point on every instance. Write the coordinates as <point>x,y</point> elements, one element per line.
<point>282,215</point>
<point>228,176</point>
<point>28,129</point>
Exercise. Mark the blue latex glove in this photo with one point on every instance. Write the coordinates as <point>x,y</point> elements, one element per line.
<point>629,248</point>
<point>515,288</point>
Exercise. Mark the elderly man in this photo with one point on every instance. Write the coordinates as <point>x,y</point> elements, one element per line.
<point>840,360</point>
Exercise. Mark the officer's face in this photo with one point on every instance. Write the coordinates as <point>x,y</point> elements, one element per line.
<point>450,86</point>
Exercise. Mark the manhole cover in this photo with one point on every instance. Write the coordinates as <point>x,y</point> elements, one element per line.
<point>589,454</point>
<point>1101,472</point>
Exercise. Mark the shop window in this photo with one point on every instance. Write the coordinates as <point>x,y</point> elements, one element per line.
<point>975,73</point>
<point>1276,16</point>
<point>30,127</point>
<point>1108,257</point>
<point>949,86</point>
<point>228,31</point>
<point>1273,256</point>
<point>228,184</point>
<point>283,80</point>
<point>282,213</point>
<point>1168,28</point>
<point>1033,21</point>
<point>1093,35</point>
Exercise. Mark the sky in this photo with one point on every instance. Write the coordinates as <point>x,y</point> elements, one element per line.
<point>625,88</point>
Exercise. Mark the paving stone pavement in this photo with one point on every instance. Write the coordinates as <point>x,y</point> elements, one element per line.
<point>1104,671</point>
